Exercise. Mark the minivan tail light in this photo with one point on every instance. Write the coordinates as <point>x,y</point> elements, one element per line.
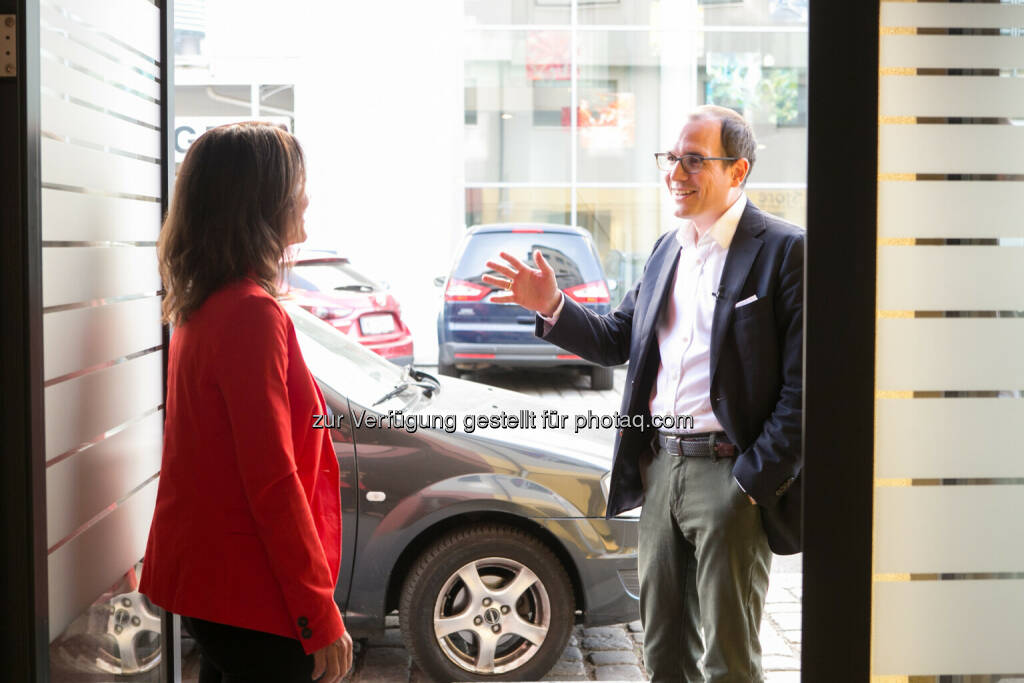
<point>590,293</point>
<point>460,290</point>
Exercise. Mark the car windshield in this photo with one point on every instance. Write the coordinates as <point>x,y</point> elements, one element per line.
<point>569,255</point>
<point>326,276</point>
<point>345,366</point>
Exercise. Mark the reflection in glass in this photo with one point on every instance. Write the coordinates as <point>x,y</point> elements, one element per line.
<point>486,12</point>
<point>120,634</point>
<point>517,204</point>
<point>517,106</point>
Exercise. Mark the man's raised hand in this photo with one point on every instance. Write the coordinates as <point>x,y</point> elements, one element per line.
<point>534,289</point>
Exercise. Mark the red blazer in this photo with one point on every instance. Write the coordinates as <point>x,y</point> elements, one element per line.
<point>247,526</point>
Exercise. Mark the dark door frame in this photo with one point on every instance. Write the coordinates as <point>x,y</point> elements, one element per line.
<point>24,648</point>
<point>839,339</point>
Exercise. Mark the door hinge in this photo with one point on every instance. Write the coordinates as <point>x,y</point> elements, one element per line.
<point>8,45</point>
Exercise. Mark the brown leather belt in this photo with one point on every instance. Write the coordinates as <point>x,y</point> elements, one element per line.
<point>712,445</point>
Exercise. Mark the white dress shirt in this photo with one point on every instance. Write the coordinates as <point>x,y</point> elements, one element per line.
<point>683,386</point>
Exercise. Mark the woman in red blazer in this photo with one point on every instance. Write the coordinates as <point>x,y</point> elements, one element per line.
<point>245,542</point>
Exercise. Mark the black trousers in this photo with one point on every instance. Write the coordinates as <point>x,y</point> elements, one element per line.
<point>229,654</point>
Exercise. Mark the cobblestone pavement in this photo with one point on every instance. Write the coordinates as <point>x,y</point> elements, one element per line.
<point>607,653</point>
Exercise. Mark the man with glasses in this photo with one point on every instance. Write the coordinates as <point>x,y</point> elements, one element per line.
<point>713,330</point>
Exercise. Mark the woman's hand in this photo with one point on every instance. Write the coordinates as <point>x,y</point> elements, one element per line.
<point>533,289</point>
<point>333,661</point>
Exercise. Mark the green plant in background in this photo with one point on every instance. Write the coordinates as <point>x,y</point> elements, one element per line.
<point>779,95</point>
<point>739,82</point>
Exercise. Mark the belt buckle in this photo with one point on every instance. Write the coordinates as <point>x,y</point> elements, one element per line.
<point>711,445</point>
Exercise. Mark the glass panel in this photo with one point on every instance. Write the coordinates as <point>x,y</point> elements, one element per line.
<point>517,100</point>
<point>517,11</point>
<point>120,634</point>
<point>764,77</point>
<point>623,77</point>
<point>522,204</point>
<point>787,203</point>
<point>625,222</point>
<point>619,12</point>
<point>757,13</point>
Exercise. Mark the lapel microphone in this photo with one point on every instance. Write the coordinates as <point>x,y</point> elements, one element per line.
<point>720,294</point>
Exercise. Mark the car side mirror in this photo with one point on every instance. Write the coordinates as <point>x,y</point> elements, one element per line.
<point>439,280</point>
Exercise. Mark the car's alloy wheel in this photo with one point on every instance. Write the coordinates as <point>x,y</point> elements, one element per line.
<point>487,603</point>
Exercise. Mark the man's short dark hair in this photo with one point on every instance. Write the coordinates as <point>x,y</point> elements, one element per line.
<point>737,136</point>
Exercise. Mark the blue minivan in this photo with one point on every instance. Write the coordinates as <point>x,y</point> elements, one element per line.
<point>474,332</point>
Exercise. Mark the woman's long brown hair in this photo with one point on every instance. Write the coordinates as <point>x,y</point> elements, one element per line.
<point>235,203</point>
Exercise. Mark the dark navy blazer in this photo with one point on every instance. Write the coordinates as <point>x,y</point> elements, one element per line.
<point>756,365</point>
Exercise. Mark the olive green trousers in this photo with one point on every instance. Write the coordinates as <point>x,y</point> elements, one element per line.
<point>704,562</point>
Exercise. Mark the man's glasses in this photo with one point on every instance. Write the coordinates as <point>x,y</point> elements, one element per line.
<point>692,163</point>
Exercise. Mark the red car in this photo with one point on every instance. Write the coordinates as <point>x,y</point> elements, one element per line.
<point>328,286</point>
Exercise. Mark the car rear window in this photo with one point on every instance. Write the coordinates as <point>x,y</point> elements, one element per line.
<point>570,256</point>
<point>329,276</point>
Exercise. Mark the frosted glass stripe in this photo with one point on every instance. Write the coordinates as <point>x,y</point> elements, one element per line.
<point>943,208</point>
<point>79,487</point>
<point>950,278</point>
<point>951,52</point>
<point>55,19</point>
<point>81,409</point>
<point>948,438</point>
<point>947,627</point>
<point>949,529</point>
<point>950,96</point>
<point>939,148</point>
<point>91,563</point>
<point>73,274</point>
<point>134,22</point>
<point>949,354</point>
<point>73,216</point>
<point>66,119</point>
<point>105,68</point>
<point>947,15</point>
<point>84,337</point>
<point>64,80</point>
<point>66,164</point>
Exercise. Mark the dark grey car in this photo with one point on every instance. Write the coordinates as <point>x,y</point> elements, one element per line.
<point>491,544</point>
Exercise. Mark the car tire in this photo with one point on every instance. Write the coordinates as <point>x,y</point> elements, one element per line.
<point>601,378</point>
<point>534,621</point>
<point>447,369</point>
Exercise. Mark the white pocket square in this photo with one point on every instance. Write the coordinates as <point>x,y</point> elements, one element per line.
<point>749,300</point>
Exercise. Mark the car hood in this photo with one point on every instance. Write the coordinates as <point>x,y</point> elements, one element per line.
<point>558,459</point>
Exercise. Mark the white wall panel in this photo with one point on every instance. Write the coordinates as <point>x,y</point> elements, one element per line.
<point>82,409</point>
<point>63,80</point>
<point>106,69</point>
<point>81,486</point>
<point>946,208</point>
<point>946,15</point>
<point>83,337</point>
<point>93,561</point>
<point>949,438</point>
<point>66,119</point>
<point>950,354</point>
<point>947,627</point>
<point>949,529</point>
<point>76,216</point>
<point>55,18</point>
<point>951,96</point>
<point>950,278</point>
<point>942,148</point>
<point>951,52</point>
<point>75,274</point>
<point>130,21</point>
<point>65,164</point>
